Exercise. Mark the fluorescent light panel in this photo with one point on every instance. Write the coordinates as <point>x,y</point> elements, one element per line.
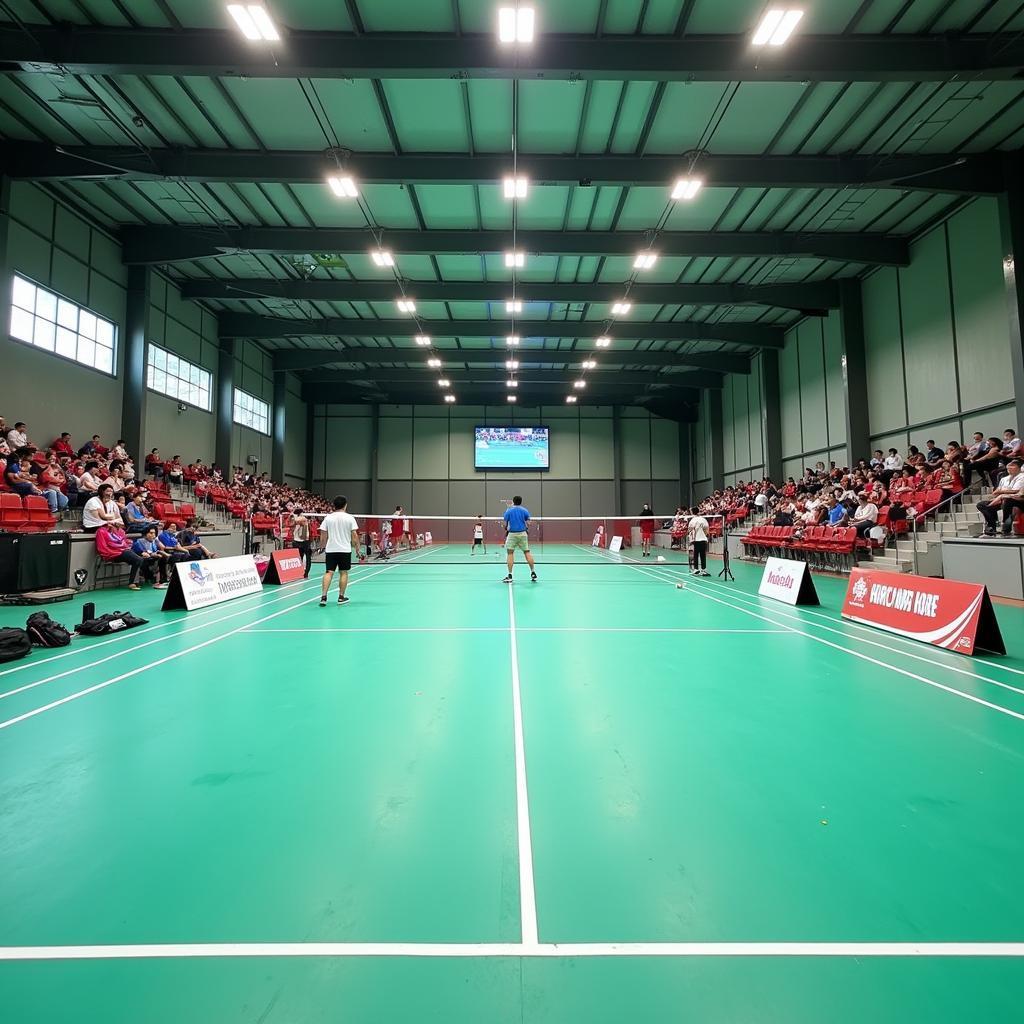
<point>686,188</point>
<point>515,259</point>
<point>645,260</point>
<point>449,398</point>
<point>513,339</point>
<point>422,339</point>
<point>515,187</point>
<point>603,342</point>
<point>589,364</point>
<point>571,399</point>
<point>511,383</point>
<point>383,258</point>
<point>514,306</point>
<point>511,364</point>
<point>579,384</point>
<point>343,187</point>
<point>621,308</point>
<point>406,306</point>
<point>444,383</point>
<point>515,24</point>
<point>510,398</point>
<point>434,362</point>
<point>254,22</point>
<point>776,26</point>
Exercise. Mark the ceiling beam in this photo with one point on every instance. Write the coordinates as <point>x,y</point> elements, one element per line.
<point>87,50</point>
<point>967,174</point>
<point>309,358</point>
<point>250,325</point>
<point>159,244</point>
<point>606,380</point>
<point>814,297</point>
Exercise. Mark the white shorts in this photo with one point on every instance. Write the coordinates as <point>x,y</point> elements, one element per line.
<point>517,540</point>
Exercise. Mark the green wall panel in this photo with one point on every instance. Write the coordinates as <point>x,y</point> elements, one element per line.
<point>928,331</point>
<point>754,395</point>
<point>565,450</point>
<point>635,438</point>
<point>813,413</point>
<point>979,306</point>
<point>460,449</point>
<point>430,449</point>
<point>596,462</point>
<point>728,426</point>
<point>832,329</point>
<point>789,395</point>
<point>664,449</point>
<point>395,454</point>
<point>348,440</point>
<point>886,398</point>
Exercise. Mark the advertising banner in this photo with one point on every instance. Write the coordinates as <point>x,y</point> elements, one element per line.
<point>286,566</point>
<point>213,581</point>
<point>787,580</point>
<point>947,613</point>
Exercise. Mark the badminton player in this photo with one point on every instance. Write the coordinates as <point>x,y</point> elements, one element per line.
<point>698,532</point>
<point>339,535</point>
<point>517,521</point>
<point>646,530</point>
<point>478,536</point>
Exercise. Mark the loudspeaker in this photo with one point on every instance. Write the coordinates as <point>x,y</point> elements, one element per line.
<point>10,557</point>
<point>45,560</point>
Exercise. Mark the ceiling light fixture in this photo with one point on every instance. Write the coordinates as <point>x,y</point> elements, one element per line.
<point>406,306</point>
<point>511,383</point>
<point>444,383</point>
<point>589,364</point>
<point>510,398</point>
<point>515,259</point>
<point>603,342</point>
<point>515,24</point>
<point>422,339</point>
<point>343,188</point>
<point>513,305</point>
<point>449,398</point>
<point>515,187</point>
<point>434,362</point>
<point>645,260</point>
<point>621,308</point>
<point>383,258</point>
<point>686,188</point>
<point>776,27</point>
<point>512,364</point>
<point>513,339</point>
<point>579,384</point>
<point>254,22</point>
<point>571,399</point>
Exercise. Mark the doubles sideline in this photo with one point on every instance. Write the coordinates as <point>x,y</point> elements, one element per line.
<point>190,650</point>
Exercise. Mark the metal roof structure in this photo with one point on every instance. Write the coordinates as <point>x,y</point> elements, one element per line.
<point>209,155</point>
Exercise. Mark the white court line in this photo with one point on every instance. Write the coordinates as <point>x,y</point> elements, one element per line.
<point>522,629</point>
<point>700,592</point>
<point>527,893</point>
<point>158,640</point>
<point>514,949</point>
<point>170,657</point>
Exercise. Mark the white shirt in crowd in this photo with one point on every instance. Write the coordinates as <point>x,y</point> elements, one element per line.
<point>869,510</point>
<point>698,528</point>
<point>1012,447</point>
<point>893,462</point>
<point>339,527</point>
<point>1013,483</point>
<point>17,439</point>
<point>91,513</point>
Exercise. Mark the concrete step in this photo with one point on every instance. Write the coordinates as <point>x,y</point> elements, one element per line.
<point>889,564</point>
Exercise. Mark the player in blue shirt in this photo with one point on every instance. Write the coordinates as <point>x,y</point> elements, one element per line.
<point>517,520</point>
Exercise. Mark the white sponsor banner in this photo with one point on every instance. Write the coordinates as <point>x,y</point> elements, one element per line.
<point>616,544</point>
<point>212,581</point>
<point>783,580</point>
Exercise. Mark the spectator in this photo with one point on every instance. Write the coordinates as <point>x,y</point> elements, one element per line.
<point>948,480</point>
<point>136,519</point>
<point>92,447</point>
<point>892,466</point>
<point>175,471</point>
<point>119,451</point>
<point>865,516</point>
<point>62,446</point>
<point>89,481</point>
<point>977,448</point>
<point>18,437</point>
<point>156,561</point>
<point>1011,444</point>
<point>932,454</point>
<point>117,477</point>
<point>989,462</point>
<point>1008,496</point>
<point>53,482</point>
<point>18,477</point>
<point>113,546</point>
<point>837,514</point>
<point>192,542</point>
<point>169,543</point>
<point>154,467</point>
<point>877,460</point>
<point>101,510</point>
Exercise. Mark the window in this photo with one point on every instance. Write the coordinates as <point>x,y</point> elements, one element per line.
<point>48,321</point>
<point>251,412</point>
<point>175,377</point>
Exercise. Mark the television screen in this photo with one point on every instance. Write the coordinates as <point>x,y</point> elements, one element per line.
<point>511,448</point>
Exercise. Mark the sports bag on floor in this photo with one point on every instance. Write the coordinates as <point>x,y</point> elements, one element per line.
<point>14,644</point>
<point>112,622</point>
<point>44,632</point>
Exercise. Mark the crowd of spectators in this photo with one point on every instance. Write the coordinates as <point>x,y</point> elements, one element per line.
<point>887,481</point>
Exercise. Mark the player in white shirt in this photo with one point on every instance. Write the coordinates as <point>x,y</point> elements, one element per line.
<point>339,536</point>
<point>478,536</point>
<point>699,532</point>
<point>1008,496</point>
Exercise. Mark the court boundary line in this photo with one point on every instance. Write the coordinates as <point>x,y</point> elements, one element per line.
<point>1012,950</point>
<point>527,889</point>
<point>702,592</point>
<point>521,629</point>
<point>173,657</point>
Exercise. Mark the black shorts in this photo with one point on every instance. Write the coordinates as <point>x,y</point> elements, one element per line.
<point>338,560</point>
<point>477,541</point>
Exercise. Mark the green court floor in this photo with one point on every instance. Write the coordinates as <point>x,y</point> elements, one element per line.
<point>595,798</point>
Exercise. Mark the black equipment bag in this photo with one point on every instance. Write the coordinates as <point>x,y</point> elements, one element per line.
<point>112,622</point>
<point>14,644</point>
<point>44,632</point>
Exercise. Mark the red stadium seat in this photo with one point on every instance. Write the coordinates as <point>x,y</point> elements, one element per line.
<point>39,518</point>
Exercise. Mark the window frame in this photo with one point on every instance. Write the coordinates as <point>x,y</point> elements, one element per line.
<point>111,374</point>
<point>236,391</point>
<point>152,346</point>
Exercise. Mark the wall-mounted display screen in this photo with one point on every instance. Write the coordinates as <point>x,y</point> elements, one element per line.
<point>511,448</point>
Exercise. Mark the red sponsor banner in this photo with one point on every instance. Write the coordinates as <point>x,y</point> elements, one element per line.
<point>286,566</point>
<point>947,613</point>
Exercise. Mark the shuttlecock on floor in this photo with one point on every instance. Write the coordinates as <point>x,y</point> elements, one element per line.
<point>661,558</point>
